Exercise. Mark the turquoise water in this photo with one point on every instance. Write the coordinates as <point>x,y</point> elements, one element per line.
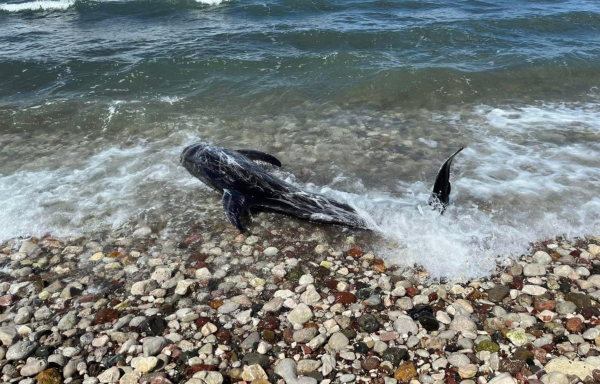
<point>359,99</point>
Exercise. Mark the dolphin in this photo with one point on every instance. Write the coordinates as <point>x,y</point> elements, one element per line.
<point>242,177</point>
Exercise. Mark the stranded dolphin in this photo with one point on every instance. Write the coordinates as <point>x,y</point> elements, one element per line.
<point>244,184</point>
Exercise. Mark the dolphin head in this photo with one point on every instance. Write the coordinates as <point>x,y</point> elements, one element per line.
<point>191,152</point>
<point>198,159</point>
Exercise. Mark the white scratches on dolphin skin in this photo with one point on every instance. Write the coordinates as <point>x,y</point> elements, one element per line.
<point>320,217</point>
<point>229,170</point>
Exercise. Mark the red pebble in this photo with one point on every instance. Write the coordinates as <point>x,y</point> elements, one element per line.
<point>106,315</point>
<point>6,300</point>
<point>270,322</point>
<point>198,368</point>
<point>412,291</point>
<point>345,298</point>
<point>355,252</point>
<point>543,305</point>
<point>574,324</point>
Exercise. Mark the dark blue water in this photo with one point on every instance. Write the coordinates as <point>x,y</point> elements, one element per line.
<point>284,53</point>
<point>359,99</point>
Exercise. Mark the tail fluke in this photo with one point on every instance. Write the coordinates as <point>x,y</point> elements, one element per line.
<point>440,197</point>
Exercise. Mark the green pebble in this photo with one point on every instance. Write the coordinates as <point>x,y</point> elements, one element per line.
<point>487,345</point>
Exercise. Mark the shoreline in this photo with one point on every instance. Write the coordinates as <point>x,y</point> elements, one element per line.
<point>218,307</point>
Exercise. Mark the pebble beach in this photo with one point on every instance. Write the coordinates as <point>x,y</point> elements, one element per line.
<point>284,305</point>
<point>118,266</point>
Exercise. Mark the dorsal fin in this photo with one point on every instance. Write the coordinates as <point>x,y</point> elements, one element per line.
<point>255,155</point>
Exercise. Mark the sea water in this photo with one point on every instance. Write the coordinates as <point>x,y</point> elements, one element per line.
<point>360,100</point>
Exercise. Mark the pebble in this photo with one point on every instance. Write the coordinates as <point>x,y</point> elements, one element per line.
<point>458,360</point>
<point>503,378</point>
<point>462,324</point>
<point>21,350</point>
<point>534,290</point>
<point>534,270</point>
<point>300,315</point>
<point>338,341</point>
<point>566,307</point>
<point>33,367</point>
<point>405,325</point>
<point>146,364</point>
<point>152,346</point>
<point>68,321</point>
<point>110,375</point>
<point>287,370</point>
<point>8,335</point>
<point>271,251</point>
<point>228,307</point>
<point>306,366</point>
<point>254,372</point>
<point>304,335</point>
<point>541,257</point>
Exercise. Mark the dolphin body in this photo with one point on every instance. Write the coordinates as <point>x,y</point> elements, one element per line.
<point>244,184</point>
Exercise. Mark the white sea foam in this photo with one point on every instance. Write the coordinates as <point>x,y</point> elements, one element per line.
<point>508,189</point>
<point>210,2</point>
<point>561,116</point>
<point>105,190</point>
<point>42,5</point>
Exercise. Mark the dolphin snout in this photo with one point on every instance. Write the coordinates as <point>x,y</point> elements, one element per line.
<point>189,151</point>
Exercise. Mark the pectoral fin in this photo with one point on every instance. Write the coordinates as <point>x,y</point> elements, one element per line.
<point>235,204</point>
<point>260,156</point>
<point>440,197</point>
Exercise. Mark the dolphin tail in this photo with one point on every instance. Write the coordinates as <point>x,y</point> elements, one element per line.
<point>440,197</point>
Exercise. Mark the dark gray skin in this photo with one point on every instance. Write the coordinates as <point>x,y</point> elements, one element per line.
<point>246,184</point>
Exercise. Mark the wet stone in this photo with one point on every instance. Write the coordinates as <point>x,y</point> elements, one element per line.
<point>498,293</point>
<point>268,335</point>
<point>566,307</point>
<point>256,358</point>
<point>349,333</point>
<point>522,354</point>
<point>579,299</point>
<point>406,372</point>
<point>370,363</point>
<point>429,322</point>
<point>394,355</point>
<point>344,298</point>
<point>511,366</point>
<point>44,351</point>
<point>487,345</point>
<point>338,341</point>
<point>364,293</point>
<point>106,315</point>
<point>269,322</point>
<point>416,312</point>
<point>361,348</point>
<point>153,326</point>
<point>49,376</point>
<point>589,312</point>
<point>21,350</point>
<point>574,325</point>
<point>368,323</point>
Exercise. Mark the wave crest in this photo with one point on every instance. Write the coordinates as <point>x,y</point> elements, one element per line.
<point>37,6</point>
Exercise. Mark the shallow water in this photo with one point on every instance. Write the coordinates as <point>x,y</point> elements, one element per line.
<point>361,100</point>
